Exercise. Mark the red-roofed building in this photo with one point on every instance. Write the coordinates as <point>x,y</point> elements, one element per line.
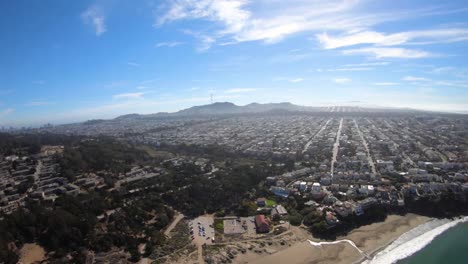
<point>262,224</point>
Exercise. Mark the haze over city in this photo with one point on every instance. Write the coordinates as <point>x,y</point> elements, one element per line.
<point>69,61</point>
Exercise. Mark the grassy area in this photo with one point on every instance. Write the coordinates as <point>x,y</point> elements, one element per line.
<point>219,225</point>
<point>270,203</point>
<point>156,153</point>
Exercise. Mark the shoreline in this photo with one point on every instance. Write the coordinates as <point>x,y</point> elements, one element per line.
<point>370,239</point>
<point>375,237</point>
<point>414,240</point>
<point>380,248</point>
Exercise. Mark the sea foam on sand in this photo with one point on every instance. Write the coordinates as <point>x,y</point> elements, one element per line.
<point>413,241</point>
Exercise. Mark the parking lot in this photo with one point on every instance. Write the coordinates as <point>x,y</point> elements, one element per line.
<point>242,225</point>
<point>202,230</point>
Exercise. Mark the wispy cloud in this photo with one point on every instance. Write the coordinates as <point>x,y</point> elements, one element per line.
<point>460,84</point>
<point>350,69</point>
<point>236,21</point>
<point>367,64</point>
<point>138,95</point>
<point>38,103</point>
<point>115,84</point>
<point>6,112</point>
<point>40,82</point>
<point>380,53</point>
<point>241,90</point>
<point>291,80</point>
<point>169,44</point>
<point>341,80</point>
<point>95,17</point>
<point>239,24</point>
<point>385,83</point>
<point>296,80</point>
<point>414,79</point>
<point>133,64</point>
<point>415,37</point>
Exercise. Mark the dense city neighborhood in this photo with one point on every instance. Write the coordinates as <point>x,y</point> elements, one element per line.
<point>228,184</point>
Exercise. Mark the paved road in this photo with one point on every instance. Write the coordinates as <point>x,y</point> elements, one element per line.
<point>366,147</point>
<point>315,135</point>
<point>38,170</point>
<point>336,146</point>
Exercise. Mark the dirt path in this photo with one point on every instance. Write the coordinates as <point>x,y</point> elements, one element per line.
<point>174,223</point>
<point>200,255</point>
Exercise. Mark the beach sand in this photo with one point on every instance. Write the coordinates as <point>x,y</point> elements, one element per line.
<point>303,252</point>
<point>370,239</point>
<point>374,237</point>
<point>31,253</point>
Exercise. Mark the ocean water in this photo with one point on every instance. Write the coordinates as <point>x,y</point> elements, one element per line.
<point>449,247</point>
<point>437,241</point>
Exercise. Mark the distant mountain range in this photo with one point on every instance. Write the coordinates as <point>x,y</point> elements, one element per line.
<point>224,108</point>
<point>230,108</point>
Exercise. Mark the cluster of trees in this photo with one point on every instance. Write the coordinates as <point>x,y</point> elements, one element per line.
<point>62,228</point>
<point>30,143</point>
<point>100,154</point>
<point>198,194</point>
<point>70,226</point>
<point>139,221</point>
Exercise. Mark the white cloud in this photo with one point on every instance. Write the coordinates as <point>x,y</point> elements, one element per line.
<point>239,24</point>
<point>271,21</point>
<point>296,80</point>
<point>169,44</point>
<point>94,16</point>
<point>342,80</point>
<point>379,53</point>
<point>367,37</point>
<point>229,12</point>
<point>291,80</point>
<point>385,83</point>
<point>241,90</point>
<point>138,95</point>
<point>345,69</point>
<point>452,84</point>
<point>366,64</point>
<point>133,64</point>
<point>372,37</point>
<point>414,79</point>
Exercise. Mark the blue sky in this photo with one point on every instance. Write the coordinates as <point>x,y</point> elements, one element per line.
<point>66,61</point>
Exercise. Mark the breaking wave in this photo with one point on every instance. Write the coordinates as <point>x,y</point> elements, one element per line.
<point>413,241</point>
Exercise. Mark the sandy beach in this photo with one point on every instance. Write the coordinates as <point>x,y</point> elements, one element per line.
<point>370,239</point>
<point>303,252</point>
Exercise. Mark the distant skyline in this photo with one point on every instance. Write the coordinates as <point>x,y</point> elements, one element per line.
<point>68,61</point>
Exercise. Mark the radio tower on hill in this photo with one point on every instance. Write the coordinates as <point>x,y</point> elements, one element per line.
<point>211,98</point>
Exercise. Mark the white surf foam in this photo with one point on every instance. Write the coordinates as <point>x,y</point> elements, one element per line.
<point>319,244</point>
<point>413,241</point>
